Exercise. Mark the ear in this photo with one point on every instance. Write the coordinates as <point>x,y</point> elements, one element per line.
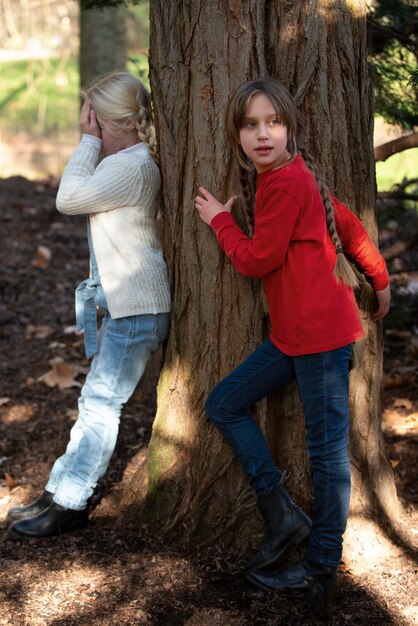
<point>130,123</point>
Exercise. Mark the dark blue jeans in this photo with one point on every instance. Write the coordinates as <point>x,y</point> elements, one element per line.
<point>323,386</point>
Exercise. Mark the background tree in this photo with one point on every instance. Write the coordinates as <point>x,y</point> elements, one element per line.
<point>189,484</point>
<point>393,49</point>
<point>102,40</point>
<point>393,56</point>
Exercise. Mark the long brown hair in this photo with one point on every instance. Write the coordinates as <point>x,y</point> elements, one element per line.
<point>287,114</point>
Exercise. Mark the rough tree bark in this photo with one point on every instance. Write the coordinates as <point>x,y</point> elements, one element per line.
<point>189,484</point>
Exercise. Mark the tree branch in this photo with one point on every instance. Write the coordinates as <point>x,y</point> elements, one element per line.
<point>381,153</point>
<point>396,195</point>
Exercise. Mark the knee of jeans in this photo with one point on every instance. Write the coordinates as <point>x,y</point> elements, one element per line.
<point>215,406</point>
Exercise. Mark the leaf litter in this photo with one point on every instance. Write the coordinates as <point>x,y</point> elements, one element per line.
<point>113,573</point>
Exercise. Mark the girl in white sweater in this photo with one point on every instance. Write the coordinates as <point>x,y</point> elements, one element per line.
<point>128,280</point>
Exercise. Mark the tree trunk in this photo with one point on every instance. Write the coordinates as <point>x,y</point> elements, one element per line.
<point>190,484</point>
<point>102,42</point>
<point>319,51</point>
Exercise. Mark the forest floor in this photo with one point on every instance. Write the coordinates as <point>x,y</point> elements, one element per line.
<point>112,573</point>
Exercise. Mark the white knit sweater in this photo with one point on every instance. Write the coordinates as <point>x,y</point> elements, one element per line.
<point>120,196</point>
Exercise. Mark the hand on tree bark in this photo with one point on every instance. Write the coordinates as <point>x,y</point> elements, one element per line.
<point>209,207</point>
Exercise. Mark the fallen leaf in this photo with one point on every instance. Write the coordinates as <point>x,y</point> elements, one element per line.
<point>38,332</point>
<point>72,414</point>
<point>399,377</point>
<point>69,330</point>
<point>402,403</point>
<point>43,257</point>
<point>396,332</point>
<point>56,344</point>
<point>395,250</point>
<point>62,374</point>
<point>412,347</point>
<point>10,481</point>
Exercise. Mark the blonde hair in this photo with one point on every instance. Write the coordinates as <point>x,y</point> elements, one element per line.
<point>288,115</point>
<point>121,98</point>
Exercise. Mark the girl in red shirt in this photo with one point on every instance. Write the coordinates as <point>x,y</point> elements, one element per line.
<point>301,235</point>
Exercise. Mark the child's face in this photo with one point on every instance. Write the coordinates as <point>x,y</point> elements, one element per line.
<point>262,137</point>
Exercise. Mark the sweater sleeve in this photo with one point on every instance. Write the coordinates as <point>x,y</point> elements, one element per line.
<point>85,189</point>
<point>359,247</point>
<point>275,218</point>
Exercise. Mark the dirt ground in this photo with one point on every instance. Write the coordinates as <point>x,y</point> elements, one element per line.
<point>111,574</point>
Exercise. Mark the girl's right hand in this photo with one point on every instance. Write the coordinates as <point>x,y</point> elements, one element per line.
<point>208,206</point>
<point>88,121</point>
<point>383,303</point>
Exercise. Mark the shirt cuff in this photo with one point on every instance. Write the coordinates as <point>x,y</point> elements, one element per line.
<point>222,218</point>
<point>92,140</point>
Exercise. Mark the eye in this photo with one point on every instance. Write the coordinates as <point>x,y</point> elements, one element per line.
<point>249,124</point>
<point>275,122</point>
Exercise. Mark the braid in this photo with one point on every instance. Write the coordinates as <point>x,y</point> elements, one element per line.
<point>146,132</point>
<point>247,189</point>
<point>342,270</point>
<point>246,177</point>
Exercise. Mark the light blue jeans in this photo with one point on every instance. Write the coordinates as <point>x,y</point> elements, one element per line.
<point>124,348</point>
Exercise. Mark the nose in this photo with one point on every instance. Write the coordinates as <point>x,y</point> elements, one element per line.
<point>262,131</point>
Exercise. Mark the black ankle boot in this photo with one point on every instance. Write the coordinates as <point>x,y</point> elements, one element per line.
<point>22,512</point>
<point>315,580</point>
<point>285,525</point>
<point>55,520</point>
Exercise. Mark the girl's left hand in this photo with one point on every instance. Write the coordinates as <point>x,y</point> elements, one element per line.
<point>88,121</point>
<point>208,206</point>
<point>383,303</point>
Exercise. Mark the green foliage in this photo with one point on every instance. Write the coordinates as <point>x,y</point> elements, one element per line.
<point>39,97</point>
<point>414,79</point>
<point>137,64</point>
<point>399,166</point>
<point>42,97</point>
<point>393,34</point>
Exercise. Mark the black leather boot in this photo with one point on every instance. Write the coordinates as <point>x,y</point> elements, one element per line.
<point>285,525</point>
<point>22,512</point>
<point>55,520</point>
<point>315,580</point>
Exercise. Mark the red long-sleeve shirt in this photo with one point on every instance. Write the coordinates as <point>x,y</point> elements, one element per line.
<point>291,251</point>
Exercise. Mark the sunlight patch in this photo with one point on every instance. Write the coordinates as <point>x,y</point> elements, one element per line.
<point>58,594</point>
<point>18,413</point>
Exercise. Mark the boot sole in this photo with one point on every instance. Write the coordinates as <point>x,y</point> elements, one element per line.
<point>300,535</point>
<point>14,536</point>
<point>321,598</point>
<point>10,520</point>
<point>321,601</point>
